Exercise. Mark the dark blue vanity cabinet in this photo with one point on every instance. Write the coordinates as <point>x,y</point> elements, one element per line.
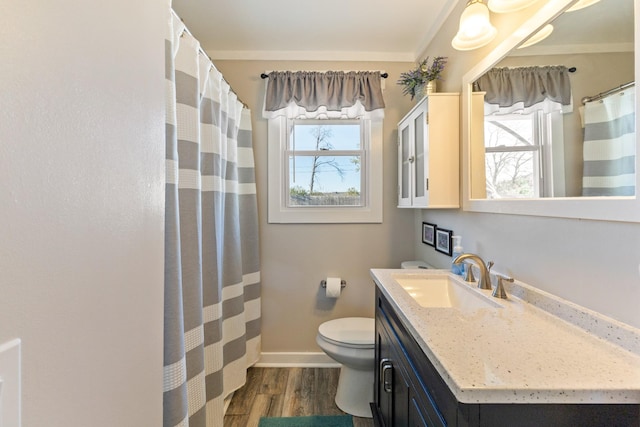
<point>410,392</point>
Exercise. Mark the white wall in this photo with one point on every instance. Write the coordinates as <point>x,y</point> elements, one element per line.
<point>592,263</point>
<point>81,207</point>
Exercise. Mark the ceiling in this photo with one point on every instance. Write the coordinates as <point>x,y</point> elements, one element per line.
<point>363,30</point>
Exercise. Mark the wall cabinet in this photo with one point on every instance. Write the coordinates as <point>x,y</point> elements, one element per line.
<point>429,153</point>
<point>409,392</point>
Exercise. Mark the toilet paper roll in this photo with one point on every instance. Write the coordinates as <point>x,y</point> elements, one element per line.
<point>333,287</point>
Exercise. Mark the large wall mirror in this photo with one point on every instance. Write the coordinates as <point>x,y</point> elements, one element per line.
<point>570,149</point>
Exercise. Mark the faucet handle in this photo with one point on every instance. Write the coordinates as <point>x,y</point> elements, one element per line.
<point>489,265</point>
<point>499,292</point>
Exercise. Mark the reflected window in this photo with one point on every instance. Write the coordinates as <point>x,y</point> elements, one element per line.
<point>518,155</point>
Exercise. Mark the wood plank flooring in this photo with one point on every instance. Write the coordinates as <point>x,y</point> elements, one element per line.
<point>286,392</point>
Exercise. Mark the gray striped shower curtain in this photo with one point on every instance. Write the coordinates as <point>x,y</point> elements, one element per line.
<point>610,145</point>
<point>212,269</point>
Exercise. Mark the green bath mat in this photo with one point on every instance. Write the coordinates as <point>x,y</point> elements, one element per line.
<point>314,421</point>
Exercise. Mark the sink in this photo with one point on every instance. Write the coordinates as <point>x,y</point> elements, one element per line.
<point>443,291</point>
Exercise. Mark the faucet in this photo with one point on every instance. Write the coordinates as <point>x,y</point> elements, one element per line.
<point>484,282</point>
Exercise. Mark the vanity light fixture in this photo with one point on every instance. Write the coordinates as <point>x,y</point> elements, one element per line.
<point>508,6</point>
<point>582,4</point>
<point>475,27</point>
<point>538,37</point>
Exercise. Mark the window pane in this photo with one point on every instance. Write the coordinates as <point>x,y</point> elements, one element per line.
<point>419,186</point>
<point>315,135</point>
<point>325,181</point>
<point>405,163</point>
<point>508,131</point>
<point>510,175</point>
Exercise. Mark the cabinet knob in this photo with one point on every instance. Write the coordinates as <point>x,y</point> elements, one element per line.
<point>411,159</point>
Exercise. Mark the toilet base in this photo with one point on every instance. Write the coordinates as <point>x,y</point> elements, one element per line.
<point>355,391</point>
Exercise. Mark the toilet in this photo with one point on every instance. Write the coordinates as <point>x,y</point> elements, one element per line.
<point>351,342</point>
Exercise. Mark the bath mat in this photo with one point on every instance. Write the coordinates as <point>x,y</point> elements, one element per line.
<point>313,421</point>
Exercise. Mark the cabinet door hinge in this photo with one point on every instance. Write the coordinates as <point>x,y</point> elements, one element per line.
<point>427,184</point>
<point>426,118</point>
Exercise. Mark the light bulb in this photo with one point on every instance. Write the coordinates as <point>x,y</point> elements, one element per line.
<point>475,27</point>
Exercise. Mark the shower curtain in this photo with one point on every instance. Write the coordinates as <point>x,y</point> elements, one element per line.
<point>610,145</point>
<point>212,271</point>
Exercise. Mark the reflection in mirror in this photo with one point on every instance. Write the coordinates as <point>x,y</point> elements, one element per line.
<point>559,115</point>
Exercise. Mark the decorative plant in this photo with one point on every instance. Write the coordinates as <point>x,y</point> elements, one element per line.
<point>421,75</point>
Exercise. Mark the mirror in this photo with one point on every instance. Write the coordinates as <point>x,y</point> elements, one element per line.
<point>538,168</point>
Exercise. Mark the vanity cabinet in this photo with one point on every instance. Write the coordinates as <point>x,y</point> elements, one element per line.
<point>428,153</point>
<point>409,392</point>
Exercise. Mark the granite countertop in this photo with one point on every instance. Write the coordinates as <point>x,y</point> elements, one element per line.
<point>534,348</point>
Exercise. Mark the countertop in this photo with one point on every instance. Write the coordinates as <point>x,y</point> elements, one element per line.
<point>534,348</point>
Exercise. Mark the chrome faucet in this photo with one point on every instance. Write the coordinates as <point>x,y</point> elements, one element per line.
<point>484,282</point>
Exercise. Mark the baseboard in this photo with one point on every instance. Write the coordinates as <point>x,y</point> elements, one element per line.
<point>296,360</point>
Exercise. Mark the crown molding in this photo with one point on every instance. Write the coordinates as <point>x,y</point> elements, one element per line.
<point>445,12</point>
<point>293,55</point>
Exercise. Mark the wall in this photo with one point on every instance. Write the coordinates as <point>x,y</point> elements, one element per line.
<point>296,257</point>
<point>591,263</point>
<point>81,223</point>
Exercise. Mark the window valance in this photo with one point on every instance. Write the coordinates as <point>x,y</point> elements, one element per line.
<point>332,94</point>
<point>520,89</point>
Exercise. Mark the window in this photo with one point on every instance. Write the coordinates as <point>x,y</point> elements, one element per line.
<point>325,170</point>
<point>518,154</point>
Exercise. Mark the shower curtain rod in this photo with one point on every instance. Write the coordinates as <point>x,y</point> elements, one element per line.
<point>383,75</point>
<point>606,93</point>
<point>201,50</point>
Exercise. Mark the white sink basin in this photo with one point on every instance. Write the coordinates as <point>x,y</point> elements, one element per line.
<point>442,291</point>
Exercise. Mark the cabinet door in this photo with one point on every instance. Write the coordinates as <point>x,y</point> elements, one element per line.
<point>392,386</point>
<point>383,397</point>
<point>400,396</point>
<point>420,147</point>
<point>405,163</point>
<point>416,417</point>
<point>413,158</point>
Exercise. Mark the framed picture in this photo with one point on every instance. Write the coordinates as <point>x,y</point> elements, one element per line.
<point>429,233</point>
<point>443,241</point>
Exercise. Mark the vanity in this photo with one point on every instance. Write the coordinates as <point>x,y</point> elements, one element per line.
<point>449,354</point>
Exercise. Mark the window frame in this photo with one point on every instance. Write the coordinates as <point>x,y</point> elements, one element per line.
<point>544,148</point>
<point>278,175</point>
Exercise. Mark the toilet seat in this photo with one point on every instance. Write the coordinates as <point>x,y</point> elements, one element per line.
<point>352,332</point>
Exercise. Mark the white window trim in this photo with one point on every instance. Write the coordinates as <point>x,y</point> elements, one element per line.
<point>278,212</point>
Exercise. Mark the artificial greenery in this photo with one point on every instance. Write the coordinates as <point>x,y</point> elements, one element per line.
<point>421,75</point>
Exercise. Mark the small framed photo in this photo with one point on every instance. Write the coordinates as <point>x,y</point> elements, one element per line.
<point>443,241</point>
<point>429,233</point>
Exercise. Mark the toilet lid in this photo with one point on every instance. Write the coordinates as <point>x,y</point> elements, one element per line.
<point>350,330</point>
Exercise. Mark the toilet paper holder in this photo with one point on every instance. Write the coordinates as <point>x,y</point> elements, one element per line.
<point>343,283</point>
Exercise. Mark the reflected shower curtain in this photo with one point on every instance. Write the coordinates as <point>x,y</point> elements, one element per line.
<point>610,146</point>
<point>212,271</point>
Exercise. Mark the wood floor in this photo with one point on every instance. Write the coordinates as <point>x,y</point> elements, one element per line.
<point>286,392</point>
